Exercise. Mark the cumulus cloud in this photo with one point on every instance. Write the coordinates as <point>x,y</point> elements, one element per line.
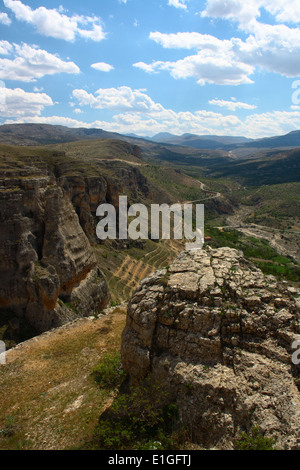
<point>30,63</point>
<point>236,10</point>
<point>246,13</point>
<point>5,48</point>
<point>199,122</point>
<point>274,48</point>
<point>136,110</point>
<point>102,67</point>
<point>284,11</point>
<point>18,103</point>
<point>4,19</point>
<point>54,23</point>
<point>214,63</point>
<point>55,120</point>
<point>271,47</point>
<point>122,98</point>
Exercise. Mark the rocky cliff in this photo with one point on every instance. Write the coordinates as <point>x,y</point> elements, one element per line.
<point>217,334</point>
<point>48,270</point>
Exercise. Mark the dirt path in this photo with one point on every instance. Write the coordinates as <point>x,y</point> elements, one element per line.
<point>214,194</point>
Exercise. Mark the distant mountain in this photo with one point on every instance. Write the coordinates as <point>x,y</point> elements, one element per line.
<point>271,167</point>
<point>135,136</point>
<point>239,147</point>
<point>199,141</point>
<point>164,137</point>
<point>292,139</point>
<point>45,134</point>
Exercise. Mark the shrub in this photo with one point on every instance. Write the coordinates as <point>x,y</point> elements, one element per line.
<point>255,441</point>
<point>141,419</point>
<point>109,372</point>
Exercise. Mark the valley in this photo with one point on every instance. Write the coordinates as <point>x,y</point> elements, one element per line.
<point>64,293</point>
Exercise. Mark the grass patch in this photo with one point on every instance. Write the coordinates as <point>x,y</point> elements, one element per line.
<point>49,399</point>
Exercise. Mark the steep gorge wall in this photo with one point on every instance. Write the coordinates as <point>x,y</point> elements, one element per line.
<point>48,270</point>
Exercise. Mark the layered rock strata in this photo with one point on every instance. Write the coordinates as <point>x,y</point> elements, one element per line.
<point>48,271</point>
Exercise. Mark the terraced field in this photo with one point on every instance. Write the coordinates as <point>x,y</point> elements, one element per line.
<point>124,270</point>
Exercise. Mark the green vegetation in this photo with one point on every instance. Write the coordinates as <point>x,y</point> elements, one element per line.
<point>176,184</point>
<point>137,421</point>
<point>274,206</point>
<point>259,251</point>
<point>269,168</point>
<point>256,440</point>
<point>109,372</point>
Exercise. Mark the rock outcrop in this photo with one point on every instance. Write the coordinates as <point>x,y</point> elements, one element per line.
<point>217,334</point>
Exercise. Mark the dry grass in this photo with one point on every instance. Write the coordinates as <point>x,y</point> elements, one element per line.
<point>49,399</point>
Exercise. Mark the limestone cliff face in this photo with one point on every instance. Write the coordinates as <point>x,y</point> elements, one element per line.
<point>48,271</point>
<point>218,335</point>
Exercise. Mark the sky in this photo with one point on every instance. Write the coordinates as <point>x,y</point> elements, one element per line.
<point>207,67</point>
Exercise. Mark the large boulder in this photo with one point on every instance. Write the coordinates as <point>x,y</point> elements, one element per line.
<point>218,334</point>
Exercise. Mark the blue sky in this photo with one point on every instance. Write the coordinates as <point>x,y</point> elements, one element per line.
<point>132,66</point>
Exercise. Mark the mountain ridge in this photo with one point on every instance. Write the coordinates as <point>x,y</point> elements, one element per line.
<point>46,134</point>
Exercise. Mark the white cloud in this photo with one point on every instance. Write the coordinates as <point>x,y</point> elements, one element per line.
<point>30,63</point>
<point>274,48</point>
<point>122,99</point>
<point>215,62</point>
<point>18,103</point>
<point>199,122</point>
<point>245,13</point>
<point>37,89</point>
<point>102,67</point>
<point>236,10</point>
<point>4,19</point>
<point>232,105</point>
<point>207,66</point>
<point>139,113</point>
<point>271,123</point>
<point>189,41</point>
<point>284,10</point>
<point>55,120</point>
<point>5,48</point>
<point>178,4</point>
<point>54,23</point>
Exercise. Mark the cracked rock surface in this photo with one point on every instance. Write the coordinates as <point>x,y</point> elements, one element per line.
<point>218,334</point>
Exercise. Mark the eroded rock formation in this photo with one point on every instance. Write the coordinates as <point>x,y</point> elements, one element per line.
<point>48,270</point>
<point>218,334</point>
